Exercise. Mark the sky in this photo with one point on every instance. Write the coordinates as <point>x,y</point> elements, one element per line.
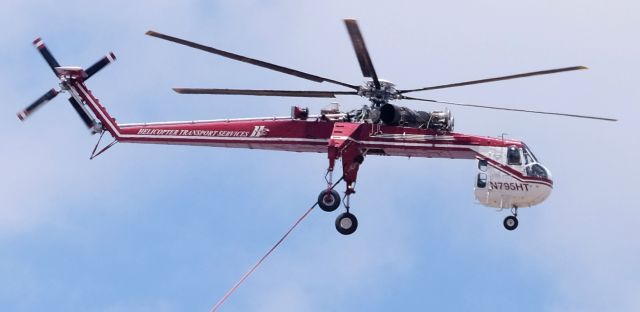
<point>171,228</point>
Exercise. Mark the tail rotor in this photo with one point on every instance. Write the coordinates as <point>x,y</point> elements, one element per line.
<point>66,75</point>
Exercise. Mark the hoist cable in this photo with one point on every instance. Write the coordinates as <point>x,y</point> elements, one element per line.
<point>255,266</point>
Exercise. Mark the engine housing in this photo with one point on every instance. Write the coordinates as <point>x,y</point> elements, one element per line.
<point>403,116</point>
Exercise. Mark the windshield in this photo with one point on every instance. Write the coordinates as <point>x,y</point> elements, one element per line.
<point>529,158</point>
<point>537,170</point>
<point>533,168</point>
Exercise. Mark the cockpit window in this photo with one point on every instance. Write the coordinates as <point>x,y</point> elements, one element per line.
<point>513,156</point>
<point>536,170</point>
<point>528,155</point>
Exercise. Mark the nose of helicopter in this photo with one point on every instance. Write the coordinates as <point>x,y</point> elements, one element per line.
<point>541,183</point>
<point>503,189</point>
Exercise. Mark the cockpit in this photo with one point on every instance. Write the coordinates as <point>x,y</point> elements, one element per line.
<point>523,158</point>
<point>511,176</point>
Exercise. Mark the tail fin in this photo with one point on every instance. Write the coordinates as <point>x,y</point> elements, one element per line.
<point>71,80</point>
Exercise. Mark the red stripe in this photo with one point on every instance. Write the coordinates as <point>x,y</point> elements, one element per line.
<point>516,174</point>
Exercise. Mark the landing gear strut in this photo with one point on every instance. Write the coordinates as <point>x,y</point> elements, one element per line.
<point>329,199</point>
<point>352,157</point>
<point>511,222</point>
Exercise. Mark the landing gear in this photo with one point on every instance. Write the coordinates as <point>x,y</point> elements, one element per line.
<point>346,223</point>
<point>329,200</point>
<point>352,157</point>
<point>511,222</point>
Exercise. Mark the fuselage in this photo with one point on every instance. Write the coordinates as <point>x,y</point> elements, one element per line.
<point>509,175</point>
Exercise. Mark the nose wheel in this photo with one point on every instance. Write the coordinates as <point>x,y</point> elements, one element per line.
<point>511,222</point>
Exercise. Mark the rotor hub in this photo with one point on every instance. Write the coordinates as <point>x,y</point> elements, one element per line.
<point>379,96</point>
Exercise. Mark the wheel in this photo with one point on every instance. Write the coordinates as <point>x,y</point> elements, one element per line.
<point>510,223</point>
<point>329,201</point>
<point>346,223</point>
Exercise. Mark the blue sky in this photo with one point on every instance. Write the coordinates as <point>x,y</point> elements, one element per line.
<point>164,228</point>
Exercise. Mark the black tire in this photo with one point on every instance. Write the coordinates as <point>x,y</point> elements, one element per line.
<point>329,201</point>
<point>510,223</point>
<point>346,223</point>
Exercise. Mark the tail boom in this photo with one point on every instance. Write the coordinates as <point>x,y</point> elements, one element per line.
<point>81,94</point>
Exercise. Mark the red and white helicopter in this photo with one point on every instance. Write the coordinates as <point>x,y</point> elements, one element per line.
<point>509,175</point>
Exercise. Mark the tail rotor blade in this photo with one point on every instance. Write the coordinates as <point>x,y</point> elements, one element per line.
<point>39,102</point>
<point>106,60</point>
<point>39,44</point>
<point>83,114</point>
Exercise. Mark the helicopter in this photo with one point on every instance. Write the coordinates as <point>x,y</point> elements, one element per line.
<point>509,176</point>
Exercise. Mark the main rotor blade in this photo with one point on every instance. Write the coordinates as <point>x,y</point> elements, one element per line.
<point>39,44</point>
<point>318,94</point>
<point>466,83</point>
<point>361,51</point>
<point>39,102</point>
<point>245,59</point>
<point>509,109</point>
